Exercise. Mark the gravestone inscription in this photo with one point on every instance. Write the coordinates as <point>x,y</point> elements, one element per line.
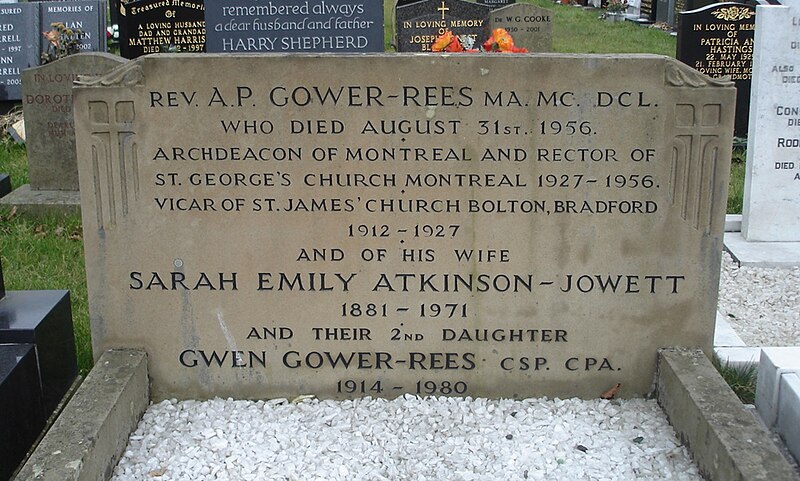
<point>717,40</point>
<point>155,26</point>
<point>294,26</point>
<point>496,3</point>
<point>529,25</point>
<point>88,16</point>
<point>19,46</point>
<point>49,126</point>
<point>417,25</point>
<point>772,181</point>
<point>461,232</point>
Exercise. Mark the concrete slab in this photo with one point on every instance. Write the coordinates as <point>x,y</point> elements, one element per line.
<point>762,254</point>
<point>724,335</point>
<point>774,363</point>
<point>789,413</point>
<point>725,440</point>
<point>733,223</point>
<point>43,202</point>
<point>89,437</point>
<point>738,356</point>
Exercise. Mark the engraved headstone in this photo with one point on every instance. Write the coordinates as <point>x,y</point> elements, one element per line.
<point>155,26</point>
<point>49,127</point>
<point>647,10</point>
<point>89,16</point>
<point>717,40</point>
<point>529,25</point>
<point>771,211</point>
<point>21,404</point>
<point>19,46</point>
<point>496,3</point>
<point>294,26</point>
<point>460,231</point>
<point>418,24</point>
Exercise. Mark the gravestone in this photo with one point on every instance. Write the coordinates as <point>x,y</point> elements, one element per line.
<point>529,25</point>
<point>44,319</point>
<point>665,12</point>
<point>20,402</point>
<point>87,15</point>
<point>647,10</point>
<point>771,211</point>
<point>155,26</point>
<point>417,25</point>
<point>5,185</point>
<point>717,40</point>
<point>320,224</point>
<point>47,105</point>
<point>294,26</point>
<point>19,46</point>
<point>2,283</point>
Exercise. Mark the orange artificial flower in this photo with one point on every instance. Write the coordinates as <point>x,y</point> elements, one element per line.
<point>52,36</point>
<point>442,41</point>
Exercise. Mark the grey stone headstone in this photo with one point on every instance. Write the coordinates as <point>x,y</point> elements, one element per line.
<point>19,46</point>
<point>87,15</point>
<point>153,26</point>
<point>665,11</point>
<point>529,25</point>
<point>418,24</point>
<point>294,26</point>
<point>49,127</point>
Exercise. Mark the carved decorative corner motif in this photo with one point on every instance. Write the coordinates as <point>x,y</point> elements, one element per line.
<point>115,164</point>
<point>734,14</point>
<point>678,76</point>
<point>128,75</point>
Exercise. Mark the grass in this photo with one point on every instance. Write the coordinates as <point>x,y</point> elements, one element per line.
<point>48,253</point>
<point>741,379</point>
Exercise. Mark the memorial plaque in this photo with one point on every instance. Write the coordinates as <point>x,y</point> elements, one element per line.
<point>771,211</point>
<point>717,40</point>
<point>530,26</point>
<point>494,225</point>
<point>155,26</point>
<point>19,46</point>
<point>49,126</point>
<point>294,26</point>
<point>418,24</point>
<point>87,15</point>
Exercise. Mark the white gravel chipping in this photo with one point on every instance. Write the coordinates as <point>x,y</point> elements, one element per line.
<point>408,438</point>
<point>761,304</point>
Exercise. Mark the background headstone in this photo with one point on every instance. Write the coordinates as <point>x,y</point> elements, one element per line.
<point>665,12</point>
<point>489,226</point>
<point>87,15</point>
<point>5,184</point>
<point>529,25</point>
<point>647,10</point>
<point>21,404</point>
<point>496,3</point>
<point>294,26</point>
<point>155,26</point>
<point>44,319</point>
<point>49,126</point>
<point>418,24</point>
<point>717,40</point>
<point>771,211</point>
<point>2,283</point>
<point>19,46</point>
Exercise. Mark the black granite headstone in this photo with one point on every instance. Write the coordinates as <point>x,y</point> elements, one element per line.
<point>19,45</point>
<point>89,16</point>
<point>717,40</point>
<point>2,283</point>
<point>418,24</point>
<point>647,10</point>
<point>294,26</point>
<point>156,26</point>
<point>43,318</point>
<point>21,414</point>
<point>5,185</point>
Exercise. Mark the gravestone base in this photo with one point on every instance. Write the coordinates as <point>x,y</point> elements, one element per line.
<point>762,254</point>
<point>5,185</point>
<point>43,202</point>
<point>21,404</point>
<point>43,319</point>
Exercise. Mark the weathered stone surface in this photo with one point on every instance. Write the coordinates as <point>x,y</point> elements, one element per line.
<point>770,210</point>
<point>725,439</point>
<point>468,231</point>
<point>43,202</point>
<point>90,435</point>
<point>49,126</point>
<point>529,25</point>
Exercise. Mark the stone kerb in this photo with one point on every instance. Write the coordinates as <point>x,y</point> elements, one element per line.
<point>320,224</point>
